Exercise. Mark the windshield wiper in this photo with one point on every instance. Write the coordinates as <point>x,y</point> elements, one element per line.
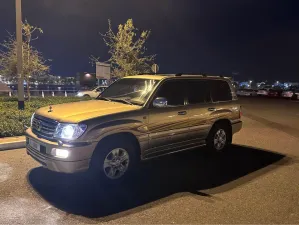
<point>121,100</point>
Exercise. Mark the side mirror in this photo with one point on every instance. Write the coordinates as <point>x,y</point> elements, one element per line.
<point>160,102</point>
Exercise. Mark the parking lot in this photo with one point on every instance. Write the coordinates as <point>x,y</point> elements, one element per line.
<point>255,182</point>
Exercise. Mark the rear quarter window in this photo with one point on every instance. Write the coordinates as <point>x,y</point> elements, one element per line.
<point>220,91</point>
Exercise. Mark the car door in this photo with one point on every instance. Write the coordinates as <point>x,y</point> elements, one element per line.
<point>201,109</point>
<point>168,126</point>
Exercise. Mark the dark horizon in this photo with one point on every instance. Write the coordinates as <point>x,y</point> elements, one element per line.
<point>259,40</point>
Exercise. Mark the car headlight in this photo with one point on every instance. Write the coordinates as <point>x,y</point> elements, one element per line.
<point>80,94</point>
<point>69,131</point>
<point>31,120</point>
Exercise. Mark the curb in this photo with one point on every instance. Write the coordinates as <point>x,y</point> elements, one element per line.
<point>12,143</point>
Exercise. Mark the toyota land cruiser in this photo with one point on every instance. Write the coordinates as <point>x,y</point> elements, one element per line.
<point>136,118</point>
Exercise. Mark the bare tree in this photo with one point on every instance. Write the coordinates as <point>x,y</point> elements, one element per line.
<point>34,64</point>
<point>127,50</point>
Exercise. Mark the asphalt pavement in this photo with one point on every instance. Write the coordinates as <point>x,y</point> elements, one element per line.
<point>257,181</point>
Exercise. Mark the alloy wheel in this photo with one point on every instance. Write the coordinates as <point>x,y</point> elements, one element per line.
<point>116,163</point>
<point>220,139</point>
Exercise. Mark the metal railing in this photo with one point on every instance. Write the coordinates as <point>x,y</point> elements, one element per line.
<point>44,93</point>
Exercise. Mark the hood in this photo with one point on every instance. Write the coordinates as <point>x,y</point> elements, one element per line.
<point>79,111</point>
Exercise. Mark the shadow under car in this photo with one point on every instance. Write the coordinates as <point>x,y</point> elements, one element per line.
<point>157,179</point>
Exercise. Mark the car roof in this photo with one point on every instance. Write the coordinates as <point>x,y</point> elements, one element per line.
<point>174,76</point>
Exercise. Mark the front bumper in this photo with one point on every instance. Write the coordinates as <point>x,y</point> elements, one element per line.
<point>78,160</point>
<point>237,126</point>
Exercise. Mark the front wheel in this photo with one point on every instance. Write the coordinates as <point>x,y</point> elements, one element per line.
<point>113,161</point>
<point>220,137</point>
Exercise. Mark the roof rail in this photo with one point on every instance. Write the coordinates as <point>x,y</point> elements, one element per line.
<point>199,74</point>
<point>149,73</point>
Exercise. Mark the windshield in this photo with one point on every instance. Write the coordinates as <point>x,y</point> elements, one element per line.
<point>131,91</point>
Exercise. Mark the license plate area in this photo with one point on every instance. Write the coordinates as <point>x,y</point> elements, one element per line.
<point>34,144</point>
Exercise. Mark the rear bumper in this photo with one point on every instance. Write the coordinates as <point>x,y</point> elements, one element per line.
<point>287,95</point>
<point>237,126</point>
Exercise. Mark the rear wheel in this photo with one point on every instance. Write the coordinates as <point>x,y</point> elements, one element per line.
<point>86,96</point>
<point>114,161</point>
<point>220,137</point>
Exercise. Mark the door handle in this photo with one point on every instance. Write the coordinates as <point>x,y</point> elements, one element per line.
<point>212,109</point>
<point>181,113</point>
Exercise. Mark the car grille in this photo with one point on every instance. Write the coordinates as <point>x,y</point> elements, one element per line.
<point>44,127</point>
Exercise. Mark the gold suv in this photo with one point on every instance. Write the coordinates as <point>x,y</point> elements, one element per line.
<point>136,118</point>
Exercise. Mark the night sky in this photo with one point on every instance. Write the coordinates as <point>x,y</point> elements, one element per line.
<point>259,39</point>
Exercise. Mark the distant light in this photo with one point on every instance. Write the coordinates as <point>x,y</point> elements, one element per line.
<point>277,82</point>
<point>250,81</point>
<point>87,75</point>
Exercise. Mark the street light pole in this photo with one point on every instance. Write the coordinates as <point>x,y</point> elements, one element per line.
<point>21,104</point>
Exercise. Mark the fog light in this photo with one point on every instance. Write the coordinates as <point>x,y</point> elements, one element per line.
<point>60,153</point>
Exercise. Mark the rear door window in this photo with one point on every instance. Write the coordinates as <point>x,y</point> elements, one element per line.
<point>198,91</point>
<point>220,91</point>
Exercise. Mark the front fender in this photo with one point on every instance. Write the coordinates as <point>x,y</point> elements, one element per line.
<point>132,126</point>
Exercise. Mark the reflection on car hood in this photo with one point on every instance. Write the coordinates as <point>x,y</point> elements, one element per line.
<point>78,111</point>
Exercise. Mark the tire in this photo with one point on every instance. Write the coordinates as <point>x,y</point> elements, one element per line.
<point>222,129</point>
<point>86,96</point>
<point>294,97</point>
<point>127,151</point>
